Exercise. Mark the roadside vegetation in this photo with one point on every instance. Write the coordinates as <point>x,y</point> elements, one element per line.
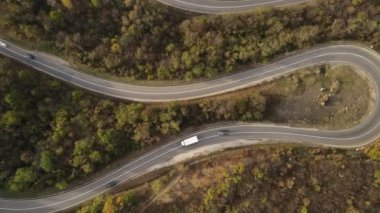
<point>148,40</point>
<point>52,134</point>
<point>262,178</point>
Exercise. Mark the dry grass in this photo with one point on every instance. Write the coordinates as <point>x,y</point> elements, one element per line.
<point>331,97</point>
<point>274,177</point>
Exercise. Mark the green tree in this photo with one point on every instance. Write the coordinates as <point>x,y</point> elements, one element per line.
<point>374,152</point>
<point>11,118</point>
<point>61,185</point>
<point>128,114</point>
<point>96,3</point>
<point>157,186</point>
<point>376,176</point>
<point>23,179</point>
<point>46,162</point>
<point>197,71</point>
<point>95,206</point>
<point>130,199</point>
<point>95,156</point>
<point>142,132</point>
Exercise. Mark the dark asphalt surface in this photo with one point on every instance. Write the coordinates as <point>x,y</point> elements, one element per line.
<point>225,6</point>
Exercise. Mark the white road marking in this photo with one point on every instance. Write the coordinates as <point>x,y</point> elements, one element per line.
<point>204,88</point>
<point>204,8</point>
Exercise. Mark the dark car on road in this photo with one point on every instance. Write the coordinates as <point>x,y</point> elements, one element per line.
<point>30,56</point>
<point>223,132</point>
<point>111,184</point>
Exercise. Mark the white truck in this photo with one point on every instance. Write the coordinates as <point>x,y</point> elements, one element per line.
<point>190,141</point>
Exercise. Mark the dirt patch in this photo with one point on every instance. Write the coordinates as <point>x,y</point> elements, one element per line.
<point>327,97</point>
<point>324,97</point>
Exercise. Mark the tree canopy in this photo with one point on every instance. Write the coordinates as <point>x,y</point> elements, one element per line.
<point>148,40</point>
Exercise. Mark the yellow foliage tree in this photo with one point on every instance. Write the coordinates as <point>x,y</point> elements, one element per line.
<point>67,3</point>
<point>374,152</point>
<point>128,3</point>
<point>109,206</point>
<point>116,48</point>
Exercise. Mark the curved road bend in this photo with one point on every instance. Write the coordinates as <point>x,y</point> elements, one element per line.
<point>226,6</point>
<point>364,59</point>
<point>347,54</point>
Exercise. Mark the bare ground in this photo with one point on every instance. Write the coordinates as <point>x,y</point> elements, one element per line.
<point>329,97</point>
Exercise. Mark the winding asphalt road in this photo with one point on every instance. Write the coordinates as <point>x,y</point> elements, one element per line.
<point>363,58</point>
<point>347,54</point>
<point>225,6</point>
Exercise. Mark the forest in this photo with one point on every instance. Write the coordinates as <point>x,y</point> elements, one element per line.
<point>261,178</point>
<point>143,39</point>
<point>51,133</point>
